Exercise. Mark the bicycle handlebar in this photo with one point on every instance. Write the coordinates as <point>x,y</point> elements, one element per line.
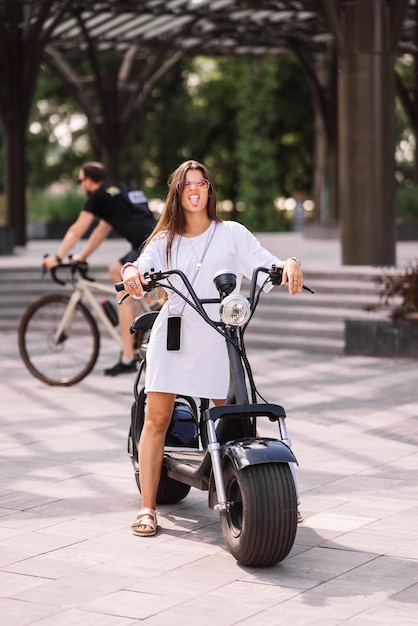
<point>76,267</point>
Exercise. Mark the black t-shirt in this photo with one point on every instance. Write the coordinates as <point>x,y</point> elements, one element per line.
<point>125,209</point>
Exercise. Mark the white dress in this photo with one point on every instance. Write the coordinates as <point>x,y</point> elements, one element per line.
<point>200,368</point>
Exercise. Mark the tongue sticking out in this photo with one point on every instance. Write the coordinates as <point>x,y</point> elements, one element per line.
<point>194,200</point>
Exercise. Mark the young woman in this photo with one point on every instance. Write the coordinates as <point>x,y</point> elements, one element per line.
<point>191,237</point>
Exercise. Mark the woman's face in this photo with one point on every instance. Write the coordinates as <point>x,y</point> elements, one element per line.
<point>194,194</point>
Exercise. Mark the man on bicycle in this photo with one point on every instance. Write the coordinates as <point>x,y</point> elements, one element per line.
<point>124,210</point>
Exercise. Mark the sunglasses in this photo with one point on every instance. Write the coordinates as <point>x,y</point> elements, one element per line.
<point>196,182</point>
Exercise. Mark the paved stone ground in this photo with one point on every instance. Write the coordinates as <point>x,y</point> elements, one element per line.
<point>68,495</point>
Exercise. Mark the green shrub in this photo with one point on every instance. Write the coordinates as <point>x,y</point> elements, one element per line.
<point>407,203</point>
<point>45,206</point>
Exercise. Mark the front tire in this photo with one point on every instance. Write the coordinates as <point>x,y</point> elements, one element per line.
<point>68,360</point>
<point>260,526</point>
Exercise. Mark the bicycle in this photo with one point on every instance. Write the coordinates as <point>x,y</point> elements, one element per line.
<point>59,339</point>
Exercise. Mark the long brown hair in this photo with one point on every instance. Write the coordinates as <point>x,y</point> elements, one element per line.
<point>172,219</point>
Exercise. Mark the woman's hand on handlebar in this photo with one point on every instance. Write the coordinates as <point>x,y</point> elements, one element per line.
<point>132,282</point>
<point>292,273</point>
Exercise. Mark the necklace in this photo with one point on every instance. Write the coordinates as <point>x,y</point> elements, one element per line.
<point>208,240</point>
<point>198,263</point>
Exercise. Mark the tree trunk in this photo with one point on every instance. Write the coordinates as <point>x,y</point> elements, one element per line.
<point>13,108</point>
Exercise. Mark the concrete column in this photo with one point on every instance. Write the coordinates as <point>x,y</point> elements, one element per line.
<point>366,135</point>
<point>13,105</point>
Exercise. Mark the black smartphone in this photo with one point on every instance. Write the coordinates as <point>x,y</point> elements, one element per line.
<point>173,332</point>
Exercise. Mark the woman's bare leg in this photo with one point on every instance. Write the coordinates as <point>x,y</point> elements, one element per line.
<point>158,413</point>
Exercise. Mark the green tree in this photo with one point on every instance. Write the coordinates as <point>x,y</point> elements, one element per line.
<point>274,137</point>
<point>294,128</point>
<point>255,144</point>
<point>406,125</point>
<point>235,115</point>
<point>191,114</point>
<point>57,137</point>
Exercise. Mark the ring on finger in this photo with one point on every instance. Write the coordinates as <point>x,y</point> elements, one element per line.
<point>131,284</point>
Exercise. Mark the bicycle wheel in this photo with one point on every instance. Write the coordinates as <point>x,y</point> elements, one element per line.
<point>72,357</point>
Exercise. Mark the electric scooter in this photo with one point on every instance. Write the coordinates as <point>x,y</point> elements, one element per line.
<point>250,479</point>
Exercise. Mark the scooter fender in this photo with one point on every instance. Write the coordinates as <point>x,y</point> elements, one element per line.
<point>256,451</point>
<point>247,452</point>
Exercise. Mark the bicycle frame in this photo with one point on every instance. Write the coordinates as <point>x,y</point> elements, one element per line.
<point>83,292</point>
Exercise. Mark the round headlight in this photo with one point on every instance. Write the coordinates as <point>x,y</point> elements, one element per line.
<point>235,310</point>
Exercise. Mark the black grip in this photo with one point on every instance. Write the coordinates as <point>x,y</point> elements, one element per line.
<point>120,287</point>
<point>276,274</point>
<point>54,276</point>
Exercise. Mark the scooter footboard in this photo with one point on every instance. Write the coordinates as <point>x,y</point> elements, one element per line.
<point>256,451</point>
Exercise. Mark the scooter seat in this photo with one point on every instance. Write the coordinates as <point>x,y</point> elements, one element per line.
<point>144,321</point>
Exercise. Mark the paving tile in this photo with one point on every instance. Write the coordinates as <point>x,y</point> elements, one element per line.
<point>50,566</point>
<point>270,619</point>
<point>73,591</point>
<point>405,549</point>
<point>338,522</point>
<point>388,572</point>
<point>11,583</point>
<point>9,556</point>
<point>374,506</point>
<point>21,613</point>
<point>313,567</point>
<point>399,609</point>
<point>195,579</point>
<point>402,526</point>
<point>135,605</point>
<point>76,617</point>
<point>372,543</point>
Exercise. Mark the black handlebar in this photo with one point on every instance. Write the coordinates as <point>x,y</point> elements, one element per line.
<point>153,279</point>
<point>119,286</point>
<point>76,267</point>
<point>276,274</point>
